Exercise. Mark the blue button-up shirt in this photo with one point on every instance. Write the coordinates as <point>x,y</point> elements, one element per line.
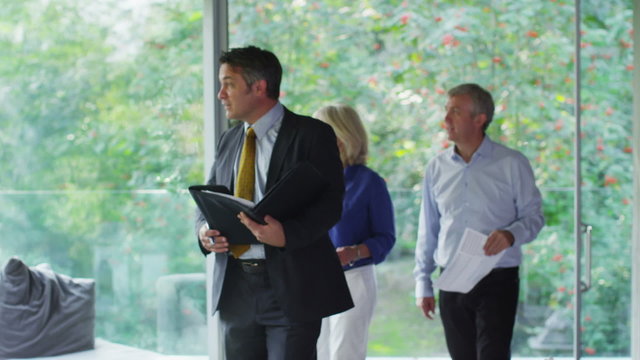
<point>495,190</point>
<point>367,215</point>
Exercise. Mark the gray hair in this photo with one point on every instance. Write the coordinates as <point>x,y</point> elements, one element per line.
<point>481,98</point>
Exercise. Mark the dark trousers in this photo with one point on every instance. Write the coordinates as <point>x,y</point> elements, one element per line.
<point>254,325</point>
<point>479,325</point>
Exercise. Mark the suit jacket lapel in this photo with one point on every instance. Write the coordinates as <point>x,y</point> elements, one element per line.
<point>285,137</point>
<point>235,142</point>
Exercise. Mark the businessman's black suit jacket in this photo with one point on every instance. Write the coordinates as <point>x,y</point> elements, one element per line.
<point>306,274</point>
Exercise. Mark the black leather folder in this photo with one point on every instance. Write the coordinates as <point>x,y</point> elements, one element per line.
<point>300,186</point>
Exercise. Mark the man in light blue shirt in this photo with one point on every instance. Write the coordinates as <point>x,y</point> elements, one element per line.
<point>485,186</point>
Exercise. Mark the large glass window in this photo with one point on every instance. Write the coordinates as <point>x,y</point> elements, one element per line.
<point>394,60</point>
<point>101,132</point>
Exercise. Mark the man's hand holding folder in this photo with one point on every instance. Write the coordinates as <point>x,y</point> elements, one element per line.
<point>239,221</point>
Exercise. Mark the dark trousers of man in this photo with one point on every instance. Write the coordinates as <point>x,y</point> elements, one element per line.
<point>479,325</point>
<point>254,325</point>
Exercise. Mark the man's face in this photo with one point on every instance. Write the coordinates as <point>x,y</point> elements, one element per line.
<point>460,122</point>
<point>236,96</point>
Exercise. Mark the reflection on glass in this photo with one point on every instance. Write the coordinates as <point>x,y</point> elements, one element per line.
<point>101,126</point>
<point>394,60</point>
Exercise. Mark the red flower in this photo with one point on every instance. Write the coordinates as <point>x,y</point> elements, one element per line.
<point>438,19</point>
<point>461,28</point>
<point>626,201</point>
<point>497,59</point>
<point>609,180</point>
<point>448,39</point>
<point>562,289</point>
<point>569,305</point>
<point>559,124</point>
<point>557,257</point>
<point>628,149</point>
<point>404,19</point>
<point>630,67</point>
<point>532,34</point>
<point>445,144</point>
<point>609,111</point>
<point>324,65</point>
<point>590,350</point>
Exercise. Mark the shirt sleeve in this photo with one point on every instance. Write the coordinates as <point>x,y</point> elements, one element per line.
<point>428,229</point>
<point>383,233</point>
<point>528,202</point>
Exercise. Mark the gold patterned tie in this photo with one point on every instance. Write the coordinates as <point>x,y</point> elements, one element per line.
<point>245,183</point>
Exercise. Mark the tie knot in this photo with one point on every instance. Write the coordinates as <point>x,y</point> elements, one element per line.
<point>251,134</point>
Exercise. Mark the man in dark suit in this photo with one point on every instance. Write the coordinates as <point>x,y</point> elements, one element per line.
<point>273,296</point>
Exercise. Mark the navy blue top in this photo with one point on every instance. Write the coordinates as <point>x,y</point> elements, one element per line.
<point>367,215</point>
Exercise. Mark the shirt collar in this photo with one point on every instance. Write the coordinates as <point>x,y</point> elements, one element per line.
<point>484,150</point>
<point>350,171</point>
<point>266,122</point>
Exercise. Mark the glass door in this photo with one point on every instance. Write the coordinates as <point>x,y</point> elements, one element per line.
<point>602,325</point>
<point>394,60</point>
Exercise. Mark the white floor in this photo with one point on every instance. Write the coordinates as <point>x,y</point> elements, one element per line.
<point>515,358</point>
<point>106,350</point>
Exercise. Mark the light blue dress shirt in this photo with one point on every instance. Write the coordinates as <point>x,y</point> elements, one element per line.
<point>266,129</point>
<point>495,190</point>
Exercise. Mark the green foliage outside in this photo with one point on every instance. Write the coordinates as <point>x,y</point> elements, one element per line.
<point>101,131</point>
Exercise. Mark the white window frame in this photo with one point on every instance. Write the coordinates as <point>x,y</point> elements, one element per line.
<point>215,40</point>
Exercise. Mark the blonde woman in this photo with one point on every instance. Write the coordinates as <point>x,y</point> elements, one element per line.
<point>363,237</point>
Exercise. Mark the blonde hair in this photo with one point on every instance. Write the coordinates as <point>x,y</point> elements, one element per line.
<point>349,129</point>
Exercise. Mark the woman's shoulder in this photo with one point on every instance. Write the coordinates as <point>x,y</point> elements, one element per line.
<point>365,173</point>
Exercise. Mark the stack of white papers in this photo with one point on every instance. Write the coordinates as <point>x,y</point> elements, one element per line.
<point>469,264</point>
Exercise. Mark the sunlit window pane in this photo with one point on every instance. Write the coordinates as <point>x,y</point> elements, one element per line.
<point>101,131</point>
<point>394,61</point>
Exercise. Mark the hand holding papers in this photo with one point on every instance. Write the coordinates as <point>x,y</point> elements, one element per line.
<point>469,264</point>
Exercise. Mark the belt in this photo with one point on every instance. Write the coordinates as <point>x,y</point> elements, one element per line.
<point>495,270</point>
<point>252,266</point>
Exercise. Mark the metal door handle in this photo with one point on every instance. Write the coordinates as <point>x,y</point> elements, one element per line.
<point>586,284</point>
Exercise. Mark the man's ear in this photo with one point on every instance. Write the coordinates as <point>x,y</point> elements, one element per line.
<point>480,120</point>
<point>260,87</point>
